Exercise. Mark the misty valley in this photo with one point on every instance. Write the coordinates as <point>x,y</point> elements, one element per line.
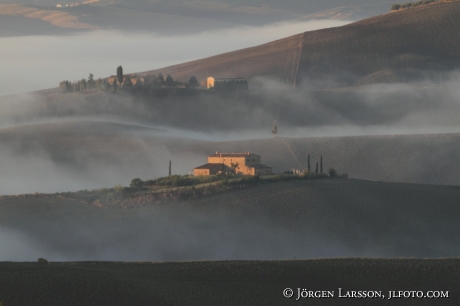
<point>238,153</point>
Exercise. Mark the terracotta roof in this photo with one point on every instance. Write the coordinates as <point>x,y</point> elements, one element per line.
<point>215,167</point>
<point>218,154</point>
<point>228,79</point>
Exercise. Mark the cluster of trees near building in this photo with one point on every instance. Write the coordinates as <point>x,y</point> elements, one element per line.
<point>126,84</point>
<point>332,172</point>
<point>396,7</point>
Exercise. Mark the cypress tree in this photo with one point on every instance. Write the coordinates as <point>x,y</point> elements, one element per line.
<point>193,82</point>
<point>169,81</point>
<point>321,165</point>
<point>120,74</point>
<point>308,163</point>
<point>169,168</point>
<point>115,86</point>
<point>160,80</point>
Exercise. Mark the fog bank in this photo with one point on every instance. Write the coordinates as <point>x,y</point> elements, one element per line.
<point>73,57</point>
<point>299,219</point>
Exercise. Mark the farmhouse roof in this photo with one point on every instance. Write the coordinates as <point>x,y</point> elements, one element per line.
<point>218,154</point>
<point>214,167</point>
<point>229,79</point>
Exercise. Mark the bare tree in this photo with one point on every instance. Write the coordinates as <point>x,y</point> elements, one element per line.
<point>275,128</point>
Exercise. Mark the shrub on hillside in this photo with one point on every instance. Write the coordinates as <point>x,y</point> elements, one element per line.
<point>332,172</point>
<point>119,189</point>
<point>136,183</point>
<point>173,181</point>
<point>396,7</point>
<point>65,86</point>
<point>113,194</point>
<point>42,261</point>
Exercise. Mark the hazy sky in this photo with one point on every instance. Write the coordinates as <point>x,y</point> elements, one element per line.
<point>37,62</point>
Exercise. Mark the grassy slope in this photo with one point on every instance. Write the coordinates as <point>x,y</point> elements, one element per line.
<point>222,283</point>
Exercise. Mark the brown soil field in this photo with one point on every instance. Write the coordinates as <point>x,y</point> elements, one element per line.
<point>278,59</point>
<point>394,47</point>
<point>224,282</point>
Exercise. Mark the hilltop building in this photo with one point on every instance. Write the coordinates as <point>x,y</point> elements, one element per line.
<point>226,83</point>
<point>245,163</point>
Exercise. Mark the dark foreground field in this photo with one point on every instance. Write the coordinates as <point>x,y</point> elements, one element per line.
<point>226,282</point>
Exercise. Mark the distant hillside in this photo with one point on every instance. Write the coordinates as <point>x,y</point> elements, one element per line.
<point>406,45</point>
<point>179,17</point>
<point>278,59</point>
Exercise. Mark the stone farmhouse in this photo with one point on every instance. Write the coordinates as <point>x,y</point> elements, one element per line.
<point>240,163</point>
<point>226,83</point>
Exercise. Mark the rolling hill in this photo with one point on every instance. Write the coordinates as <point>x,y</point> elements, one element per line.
<point>273,220</point>
<point>394,47</point>
<point>178,17</point>
<point>84,155</point>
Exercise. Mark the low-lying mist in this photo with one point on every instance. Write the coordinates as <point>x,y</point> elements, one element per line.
<point>423,107</point>
<point>73,57</point>
<point>74,141</point>
<point>158,236</point>
<point>86,155</point>
<point>344,218</point>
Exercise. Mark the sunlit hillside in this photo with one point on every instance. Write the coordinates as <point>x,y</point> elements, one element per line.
<point>394,47</point>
